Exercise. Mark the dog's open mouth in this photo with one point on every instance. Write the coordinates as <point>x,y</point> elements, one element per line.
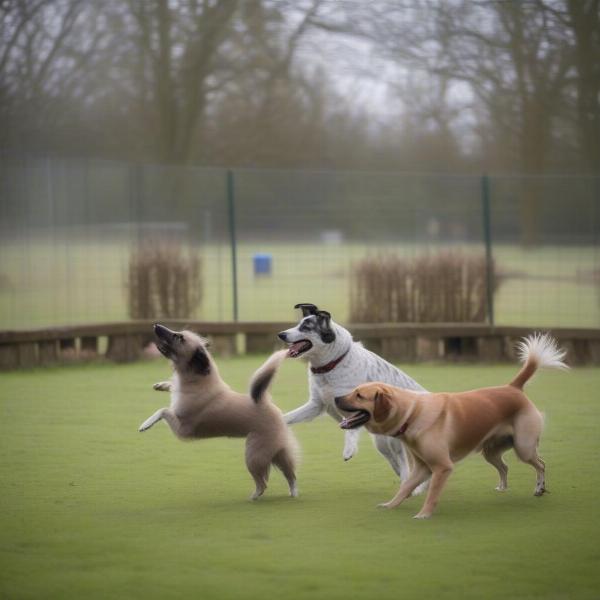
<point>298,348</point>
<point>356,419</point>
<point>164,349</point>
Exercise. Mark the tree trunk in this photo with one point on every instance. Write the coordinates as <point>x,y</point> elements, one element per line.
<point>585,21</point>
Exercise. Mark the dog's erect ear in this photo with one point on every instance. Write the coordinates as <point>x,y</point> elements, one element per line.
<point>324,323</point>
<point>307,309</point>
<point>382,407</point>
<point>200,363</point>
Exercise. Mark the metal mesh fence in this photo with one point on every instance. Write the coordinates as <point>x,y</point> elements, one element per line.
<point>267,239</point>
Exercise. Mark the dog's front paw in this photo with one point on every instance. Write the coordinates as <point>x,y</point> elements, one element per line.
<point>350,449</point>
<point>147,423</point>
<point>385,505</point>
<point>162,386</point>
<point>422,516</point>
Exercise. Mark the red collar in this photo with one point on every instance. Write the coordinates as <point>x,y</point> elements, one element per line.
<point>401,431</point>
<point>329,366</point>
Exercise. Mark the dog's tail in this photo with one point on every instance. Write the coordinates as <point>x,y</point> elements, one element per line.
<point>261,380</point>
<point>537,351</point>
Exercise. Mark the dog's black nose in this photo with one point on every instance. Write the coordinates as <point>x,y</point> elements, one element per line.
<point>161,331</point>
<point>282,336</point>
<point>338,399</point>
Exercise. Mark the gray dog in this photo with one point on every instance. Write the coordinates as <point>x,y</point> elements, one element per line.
<point>337,365</point>
<point>204,406</point>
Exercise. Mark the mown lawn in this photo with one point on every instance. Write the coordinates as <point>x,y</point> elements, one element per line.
<point>90,508</point>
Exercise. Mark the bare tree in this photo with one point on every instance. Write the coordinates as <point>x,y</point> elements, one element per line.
<point>179,47</point>
<point>40,64</point>
<point>515,57</point>
<point>584,20</point>
<point>237,82</point>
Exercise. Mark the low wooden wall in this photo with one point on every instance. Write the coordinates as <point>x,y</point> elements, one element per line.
<point>403,342</point>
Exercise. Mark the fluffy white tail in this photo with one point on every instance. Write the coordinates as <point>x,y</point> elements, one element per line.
<point>538,351</point>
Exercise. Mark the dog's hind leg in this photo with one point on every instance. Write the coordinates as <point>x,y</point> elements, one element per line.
<point>284,461</point>
<point>527,431</point>
<point>494,457</point>
<point>540,467</point>
<point>260,474</point>
<point>538,464</point>
<point>493,454</point>
<point>258,463</point>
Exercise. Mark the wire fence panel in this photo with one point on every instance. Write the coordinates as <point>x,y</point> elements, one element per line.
<point>92,241</point>
<point>317,226</point>
<point>546,244</point>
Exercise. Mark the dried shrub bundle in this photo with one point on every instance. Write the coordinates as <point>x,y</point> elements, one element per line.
<point>163,281</point>
<point>448,286</point>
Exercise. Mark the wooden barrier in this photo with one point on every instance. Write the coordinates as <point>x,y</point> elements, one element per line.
<point>402,342</point>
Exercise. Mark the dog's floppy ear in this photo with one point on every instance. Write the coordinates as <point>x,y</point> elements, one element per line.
<point>200,363</point>
<point>324,323</point>
<point>382,407</point>
<point>307,309</point>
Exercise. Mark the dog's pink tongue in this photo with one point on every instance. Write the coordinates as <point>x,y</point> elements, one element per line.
<point>295,349</point>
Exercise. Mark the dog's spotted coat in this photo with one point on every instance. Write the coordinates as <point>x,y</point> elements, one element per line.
<point>329,341</point>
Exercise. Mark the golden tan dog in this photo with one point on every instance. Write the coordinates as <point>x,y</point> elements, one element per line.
<point>441,429</point>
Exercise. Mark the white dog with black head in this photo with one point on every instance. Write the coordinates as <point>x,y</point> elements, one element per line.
<point>337,365</point>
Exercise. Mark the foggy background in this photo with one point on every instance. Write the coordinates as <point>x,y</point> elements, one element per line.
<point>469,86</point>
<point>342,138</point>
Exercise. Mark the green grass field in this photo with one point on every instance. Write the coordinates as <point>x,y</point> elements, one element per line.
<point>64,281</point>
<point>90,508</point>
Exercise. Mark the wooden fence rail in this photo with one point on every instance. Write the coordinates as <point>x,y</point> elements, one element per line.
<point>405,342</point>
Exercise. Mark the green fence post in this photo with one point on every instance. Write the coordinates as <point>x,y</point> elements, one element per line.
<point>233,241</point>
<point>487,237</point>
<point>136,175</point>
